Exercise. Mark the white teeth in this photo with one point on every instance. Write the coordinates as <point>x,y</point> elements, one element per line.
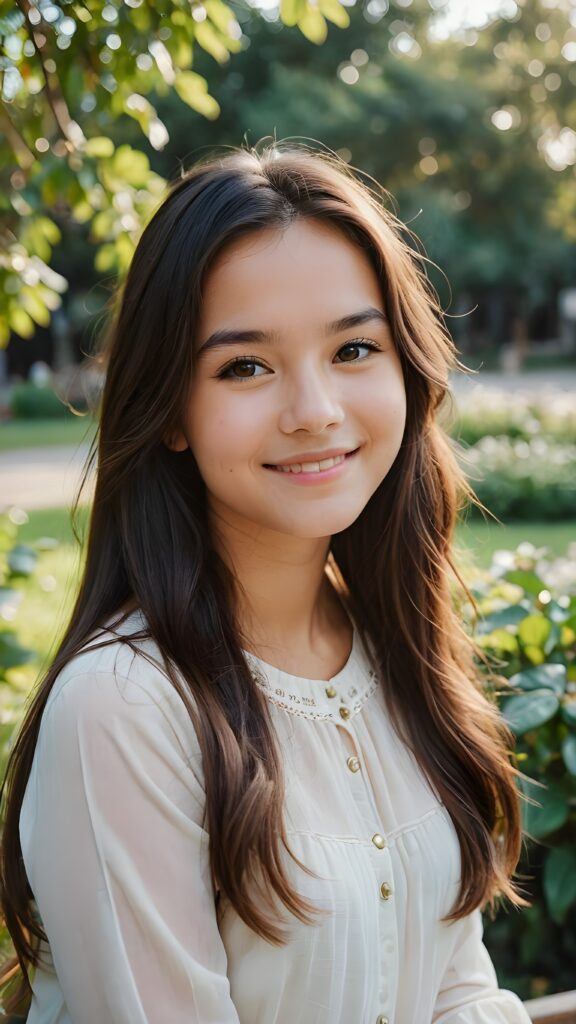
<point>312,467</point>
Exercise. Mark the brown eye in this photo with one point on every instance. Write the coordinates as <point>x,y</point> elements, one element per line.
<point>351,353</point>
<point>243,369</point>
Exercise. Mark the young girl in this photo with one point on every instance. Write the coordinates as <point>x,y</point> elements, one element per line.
<point>261,782</point>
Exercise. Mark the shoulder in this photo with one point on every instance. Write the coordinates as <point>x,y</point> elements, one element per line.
<point>111,681</point>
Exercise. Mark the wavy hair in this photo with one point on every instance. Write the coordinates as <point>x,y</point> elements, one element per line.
<point>149,546</point>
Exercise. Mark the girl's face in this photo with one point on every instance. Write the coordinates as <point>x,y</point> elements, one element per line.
<point>295,416</point>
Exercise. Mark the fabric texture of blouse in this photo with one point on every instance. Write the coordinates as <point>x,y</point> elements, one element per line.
<point>117,859</point>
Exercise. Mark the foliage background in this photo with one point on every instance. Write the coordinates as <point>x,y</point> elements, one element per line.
<point>466,117</point>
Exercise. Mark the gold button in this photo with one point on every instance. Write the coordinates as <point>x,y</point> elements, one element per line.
<point>385,891</point>
<point>382,1019</point>
<point>345,712</point>
<point>379,841</point>
<point>353,764</point>
<point>330,691</point>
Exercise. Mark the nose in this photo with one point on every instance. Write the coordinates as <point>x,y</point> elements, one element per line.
<point>312,403</point>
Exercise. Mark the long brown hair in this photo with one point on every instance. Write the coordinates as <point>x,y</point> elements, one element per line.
<point>149,546</point>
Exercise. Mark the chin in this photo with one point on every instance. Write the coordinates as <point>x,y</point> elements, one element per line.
<point>316,528</point>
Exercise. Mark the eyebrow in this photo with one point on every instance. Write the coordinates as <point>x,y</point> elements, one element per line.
<point>232,336</point>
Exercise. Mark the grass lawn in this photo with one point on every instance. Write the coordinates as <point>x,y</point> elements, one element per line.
<point>16,434</point>
<point>484,538</point>
<point>49,593</point>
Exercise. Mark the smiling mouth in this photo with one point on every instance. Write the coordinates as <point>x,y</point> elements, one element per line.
<point>312,467</point>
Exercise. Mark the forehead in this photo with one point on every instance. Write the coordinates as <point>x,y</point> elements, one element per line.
<point>277,277</point>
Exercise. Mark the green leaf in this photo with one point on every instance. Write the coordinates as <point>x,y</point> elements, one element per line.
<point>312,24</point>
<point>335,12</point>
<point>130,166</point>
<point>100,146</point>
<point>193,90</point>
<point>291,11</point>
<point>48,229</point>
<point>207,37</point>
<point>552,677</point>
<point>529,711</point>
<point>22,560</point>
<point>12,655</point>
<point>568,709</point>
<point>509,616</point>
<point>569,752</point>
<point>552,813</point>
<point>10,598</point>
<point>499,640</point>
<point>102,225</point>
<point>529,581</point>
<point>534,630</point>
<point>21,322</point>
<point>33,305</point>
<point>560,882</point>
<point>535,654</point>
<point>221,15</point>
<point>124,251</point>
<point>106,259</point>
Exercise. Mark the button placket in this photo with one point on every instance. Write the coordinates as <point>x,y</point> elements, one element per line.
<point>388,938</point>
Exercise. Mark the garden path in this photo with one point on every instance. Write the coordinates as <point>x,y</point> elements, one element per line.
<point>33,478</point>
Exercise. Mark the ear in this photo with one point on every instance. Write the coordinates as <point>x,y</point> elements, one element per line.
<point>176,442</point>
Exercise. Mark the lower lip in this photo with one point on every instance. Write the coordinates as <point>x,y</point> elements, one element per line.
<point>323,477</point>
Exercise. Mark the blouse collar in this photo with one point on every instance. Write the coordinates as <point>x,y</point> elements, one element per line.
<point>338,698</point>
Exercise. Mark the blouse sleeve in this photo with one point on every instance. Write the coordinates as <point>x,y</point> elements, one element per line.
<point>469,992</point>
<point>117,858</point>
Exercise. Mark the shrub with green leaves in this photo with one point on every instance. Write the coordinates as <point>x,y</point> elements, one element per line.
<point>517,479</point>
<point>527,626</point>
<point>34,402</point>
<point>522,415</point>
<point>518,451</point>
<point>17,561</point>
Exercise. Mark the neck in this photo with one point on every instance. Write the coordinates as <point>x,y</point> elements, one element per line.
<point>285,599</point>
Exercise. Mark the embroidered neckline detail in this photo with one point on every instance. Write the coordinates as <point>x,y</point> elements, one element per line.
<point>307,698</point>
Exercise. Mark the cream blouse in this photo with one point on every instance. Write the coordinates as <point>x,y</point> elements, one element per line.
<point>117,858</point>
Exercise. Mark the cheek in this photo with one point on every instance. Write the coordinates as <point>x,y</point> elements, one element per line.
<point>222,434</point>
<point>383,410</point>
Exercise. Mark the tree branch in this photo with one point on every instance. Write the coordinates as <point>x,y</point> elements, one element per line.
<point>16,140</point>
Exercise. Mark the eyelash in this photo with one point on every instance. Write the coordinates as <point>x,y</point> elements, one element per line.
<point>225,372</point>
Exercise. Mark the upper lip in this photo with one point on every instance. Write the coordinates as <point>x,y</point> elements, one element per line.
<point>294,460</point>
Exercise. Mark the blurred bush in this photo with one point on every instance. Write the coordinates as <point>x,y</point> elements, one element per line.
<point>530,480</point>
<point>519,452</point>
<point>17,561</point>
<point>527,625</point>
<point>490,412</point>
<point>36,402</point>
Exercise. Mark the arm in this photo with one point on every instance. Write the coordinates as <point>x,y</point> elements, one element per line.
<point>469,992</point>
<point>117,858</point>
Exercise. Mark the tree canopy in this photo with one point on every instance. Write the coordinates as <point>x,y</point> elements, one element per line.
<point>102,101</point>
